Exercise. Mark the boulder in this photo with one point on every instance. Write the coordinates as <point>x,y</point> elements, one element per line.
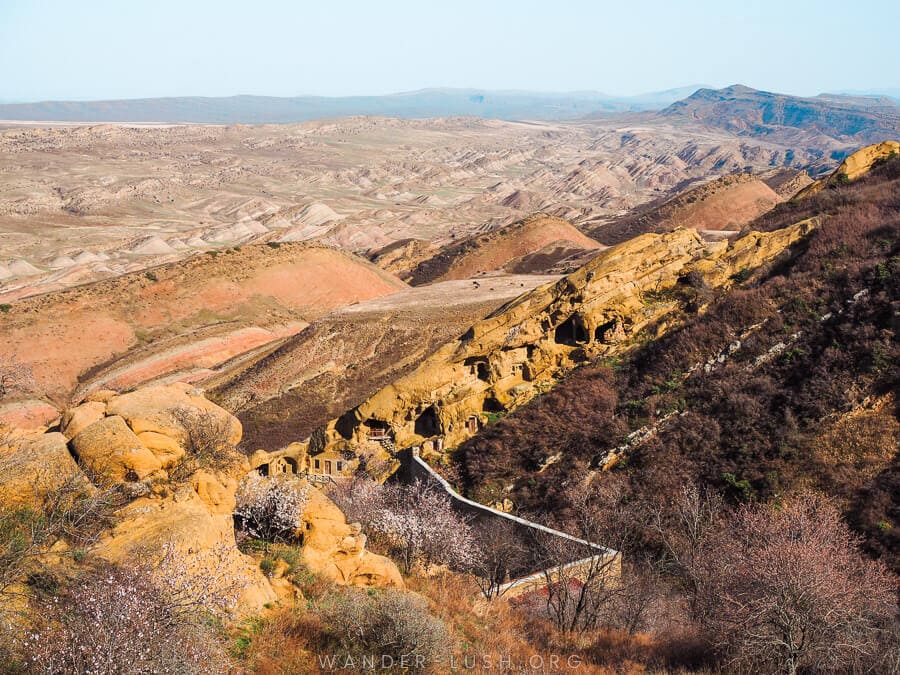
<point>166,449</point>
<point>188,546</point>
<point>33,465</point>
<point>216,489</point>
<point>77,419</point>
<point>101,395</point>
<point>336,549</point>
<point>110,448</point>
<point>153,409</point>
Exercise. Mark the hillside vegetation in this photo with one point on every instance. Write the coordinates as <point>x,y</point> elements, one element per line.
<point>789,381</point>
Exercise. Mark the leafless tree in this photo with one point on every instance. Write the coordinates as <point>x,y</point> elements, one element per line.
<point>786,589</point>
<point>581,585</point>
<point>503,551</point>
<point>685,528</point>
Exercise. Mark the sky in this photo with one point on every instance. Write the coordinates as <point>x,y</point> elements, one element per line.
<point>95,49</point>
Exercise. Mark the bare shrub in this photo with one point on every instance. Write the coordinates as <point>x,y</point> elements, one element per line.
<point>503,552</point>
<point>15,377</point>
<point>75,512</point>
<point>206,441</point>
<point>114,620</point>
<point>270,508</point>
<point>786,589</point>
<point>581,585</point>
<point>391,627</point>
<point>685,528</point>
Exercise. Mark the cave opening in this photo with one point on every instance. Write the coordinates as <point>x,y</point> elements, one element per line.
<point>604,332</point>
<point>428,423</point>
<point>570,332</point>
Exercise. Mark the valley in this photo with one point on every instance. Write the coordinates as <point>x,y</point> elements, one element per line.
<point>505,387</point>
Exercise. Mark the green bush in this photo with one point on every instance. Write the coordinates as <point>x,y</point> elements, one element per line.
<point>5,307</point>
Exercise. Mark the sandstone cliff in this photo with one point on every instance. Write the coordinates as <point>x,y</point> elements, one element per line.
<point>519,351</point>
<point>854,166</point>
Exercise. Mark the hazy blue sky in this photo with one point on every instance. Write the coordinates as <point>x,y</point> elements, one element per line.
<point>82,49</point>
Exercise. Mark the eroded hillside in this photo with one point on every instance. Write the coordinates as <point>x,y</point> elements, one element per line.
<point>522,349</point>
<point>182,320</point>
<point>787,382</point>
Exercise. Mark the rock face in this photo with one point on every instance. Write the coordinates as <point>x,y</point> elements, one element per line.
<point>33,464</point>
<point>506,359</point>
<point>183,529</point>
<point>854,166</point>
<point>132,436</point>
<point>110,447</point>
<point>336,549</point>
<point>861,161</point>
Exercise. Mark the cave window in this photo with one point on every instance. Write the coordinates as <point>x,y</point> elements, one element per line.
<point>317,464</point>
<point>377,430</point>
<point>472,424</point>
<point>603,329</point>
<point>428,423</point>
<point>263,470</point>
<point>492,405</point>
<point>290,465</point>
<point>479,369</point>
<point>340,466</point>
<point>570,332</point>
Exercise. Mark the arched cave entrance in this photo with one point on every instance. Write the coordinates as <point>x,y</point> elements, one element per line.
<point>606,332</point>
<point>492,405</point>
<point>428,423</point>
<point>570,332</point>
<point>479,368</point>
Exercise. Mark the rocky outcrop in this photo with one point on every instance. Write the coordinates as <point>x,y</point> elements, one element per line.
<point>854,166</point>
<point>32,465</point>
<point>506,359</point>
<point>110,447</point>
<point>133,436</point>
<point>336,549</point>
<point>862,161</point>
<point>182,528</point>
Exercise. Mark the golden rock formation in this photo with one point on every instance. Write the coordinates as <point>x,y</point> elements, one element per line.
<point>136,440</point>
<point>854,166</point>
<point>519,351</point>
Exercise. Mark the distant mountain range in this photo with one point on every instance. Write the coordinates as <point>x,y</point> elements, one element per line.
<point>746,111</point>
<point>506,105</point>
<point>737,109</point>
